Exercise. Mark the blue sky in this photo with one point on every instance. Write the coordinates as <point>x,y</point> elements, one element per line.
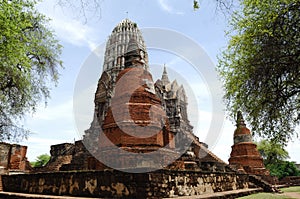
<point>56,123</point>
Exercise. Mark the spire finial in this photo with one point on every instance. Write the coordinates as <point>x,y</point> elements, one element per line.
<point>165,78</point>
<point>239,119</point>
<point>127,14</point>
<point>165,70</point>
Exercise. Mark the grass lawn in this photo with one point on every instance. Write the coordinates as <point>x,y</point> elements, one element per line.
<point>291,189</point>
<point>271,195</point>
<point>265,196</point>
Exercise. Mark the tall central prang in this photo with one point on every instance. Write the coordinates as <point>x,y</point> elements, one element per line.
<point>114,62</point>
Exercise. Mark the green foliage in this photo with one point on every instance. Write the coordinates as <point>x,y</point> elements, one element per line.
<point>271,152</point>
<point>291,189</point>
<point>265,196</point>
<point>196,5</point>
<point>41,160</point>
<point>260,68</point>
<point>29,61</point>
<point>275,156</point>
<point>282,169</point>
<point>272,195</point>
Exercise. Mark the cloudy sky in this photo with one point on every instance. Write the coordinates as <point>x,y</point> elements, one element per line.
<point>67,114</point>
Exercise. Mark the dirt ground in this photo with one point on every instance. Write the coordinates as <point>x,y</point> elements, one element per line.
<point>292,194</point>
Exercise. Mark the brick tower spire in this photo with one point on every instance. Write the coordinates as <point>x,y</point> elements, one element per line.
<point>125,40</point>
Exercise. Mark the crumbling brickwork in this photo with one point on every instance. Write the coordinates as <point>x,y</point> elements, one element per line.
<point>244,155</point>
<point>116,184</point>
<point>13,158</point>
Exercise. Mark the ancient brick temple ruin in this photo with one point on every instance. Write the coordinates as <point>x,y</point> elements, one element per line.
<point>138,116</point>
<point>244,155</point>
<point>140,143</point>
<point>13,158</point>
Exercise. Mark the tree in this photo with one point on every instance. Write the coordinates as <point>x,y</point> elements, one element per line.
<point>275,156</point>
<point>283,169</point>
<point>41,160</point>
<point>29,61</point>
<point>260,68</point>
<point>271,152</point>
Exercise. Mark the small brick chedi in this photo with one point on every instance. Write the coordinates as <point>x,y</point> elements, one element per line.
<point>244,155</point>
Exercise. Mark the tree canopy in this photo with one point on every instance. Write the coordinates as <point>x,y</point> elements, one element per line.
<point>29,61</point>
<point>275,159</point>
<point>260,68</point>
<point>41,160</point>
<point>271,152</point>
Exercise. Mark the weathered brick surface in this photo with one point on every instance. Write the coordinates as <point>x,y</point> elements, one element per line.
<point>5,155</point>
<point>134,107</point>
<point>135,122</point>
<point>13,158</point>
<point>244,154</point>
<point>291,180</point>
<point>60,154</point>
<point>116,184</point>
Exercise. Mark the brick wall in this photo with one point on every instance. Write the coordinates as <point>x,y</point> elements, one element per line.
<point>116,184</point>
<point>13,158</point>
<point>291,180</point>
<point>4,155</point>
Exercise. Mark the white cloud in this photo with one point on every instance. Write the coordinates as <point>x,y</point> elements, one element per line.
<point>84,108</point>
<point>293,148</point>
<point>50,125</point>
<point>67,28</point>
<point>224,141</point>
<point>74,32</point>
<point>165,5</point>
<point>62,111</point>
<point>38,146</point>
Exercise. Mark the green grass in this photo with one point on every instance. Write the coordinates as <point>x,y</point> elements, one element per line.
<point>265,196</point>
<point>271,196</point>
<point>291,189</point>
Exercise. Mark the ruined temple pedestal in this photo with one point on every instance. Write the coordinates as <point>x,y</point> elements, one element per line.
<point>244,155</point>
